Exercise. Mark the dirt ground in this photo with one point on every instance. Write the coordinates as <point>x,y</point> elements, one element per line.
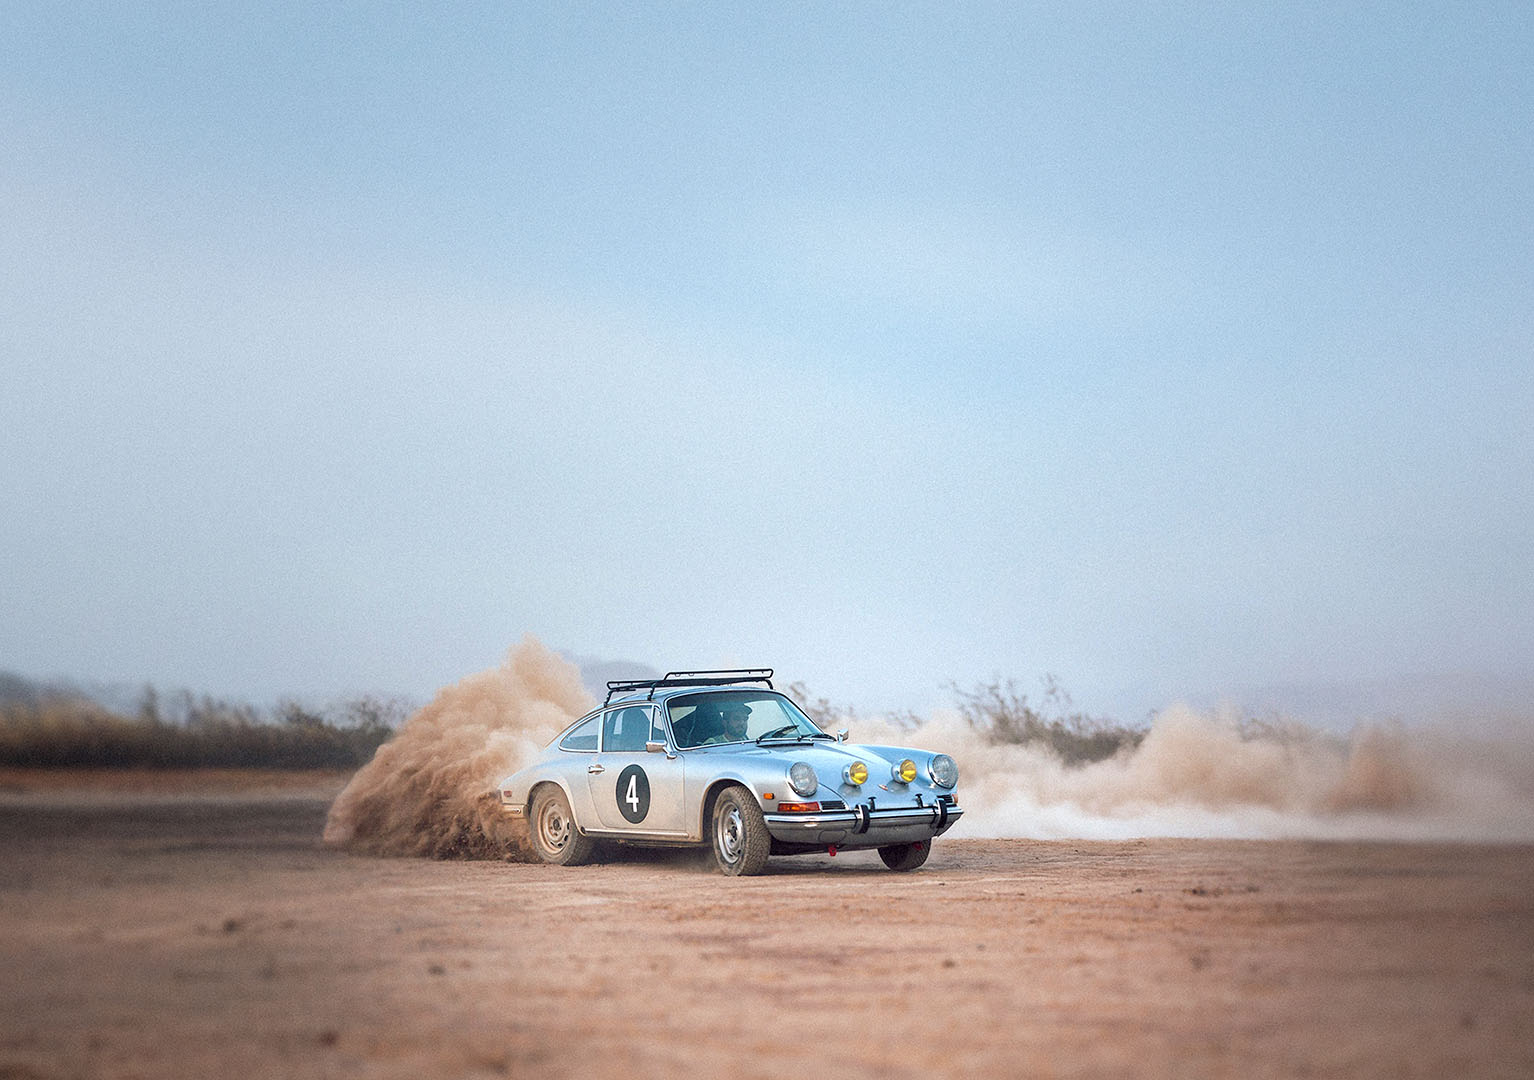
<point>195,927</point>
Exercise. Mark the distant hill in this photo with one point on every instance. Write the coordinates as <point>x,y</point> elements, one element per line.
<point>20,690</point>
<point>15,690</point>
<point>596,672</point>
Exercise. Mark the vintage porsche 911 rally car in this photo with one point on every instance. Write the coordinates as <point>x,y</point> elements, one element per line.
<point>720,757</point>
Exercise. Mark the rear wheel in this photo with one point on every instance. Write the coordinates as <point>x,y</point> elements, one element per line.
<point>741,840</point>
<point>555,837</point>
<point>905,856</point>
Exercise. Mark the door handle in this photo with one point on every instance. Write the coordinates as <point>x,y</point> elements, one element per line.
<point>595,769</point>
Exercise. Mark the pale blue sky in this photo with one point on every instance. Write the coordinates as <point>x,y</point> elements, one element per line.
<point>1167,348</point>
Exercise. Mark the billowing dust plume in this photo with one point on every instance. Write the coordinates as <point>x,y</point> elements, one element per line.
<point>431,789</point>
<point>1196,774</point>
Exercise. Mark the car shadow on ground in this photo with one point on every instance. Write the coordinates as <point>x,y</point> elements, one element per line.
<point>701,860</point>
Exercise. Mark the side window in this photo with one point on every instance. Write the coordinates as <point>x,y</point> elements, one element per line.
<point>583,737</point>
<point>626,730</point>
<point>657,727</point>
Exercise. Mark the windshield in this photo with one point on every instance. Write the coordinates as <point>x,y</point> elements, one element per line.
<point>733,716</point>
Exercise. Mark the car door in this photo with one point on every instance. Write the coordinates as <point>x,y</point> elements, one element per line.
<point>634,790</point>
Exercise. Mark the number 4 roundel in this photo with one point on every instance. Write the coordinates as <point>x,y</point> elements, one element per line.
<point>633,794</point>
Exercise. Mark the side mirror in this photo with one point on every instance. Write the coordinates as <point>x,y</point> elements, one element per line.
<point>655,747</point>
<point>841,736</point>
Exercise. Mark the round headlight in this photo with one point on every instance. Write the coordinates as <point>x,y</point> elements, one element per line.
<point>856,773</point>
<point>801,777</point>
<point>905,772</point>
<point>943,770</point>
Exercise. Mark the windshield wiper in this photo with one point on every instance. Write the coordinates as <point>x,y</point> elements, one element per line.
<point>787,729</point>
<point>790,733</point>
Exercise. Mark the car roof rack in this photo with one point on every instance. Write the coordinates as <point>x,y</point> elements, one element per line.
<point>689,678</point>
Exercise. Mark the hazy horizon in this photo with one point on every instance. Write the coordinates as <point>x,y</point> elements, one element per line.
<point>1475,703</point>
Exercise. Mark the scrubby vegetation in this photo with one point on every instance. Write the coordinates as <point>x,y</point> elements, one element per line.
<point>51,727</point>
<point>1002,714</point>
<point>831,715</point>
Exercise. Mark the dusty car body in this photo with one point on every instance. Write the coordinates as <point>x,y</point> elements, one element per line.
<point>721,758</point>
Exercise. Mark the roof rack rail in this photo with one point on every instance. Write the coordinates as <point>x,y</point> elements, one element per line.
<point>689,678</point>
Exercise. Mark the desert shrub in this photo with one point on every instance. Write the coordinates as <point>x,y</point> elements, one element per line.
<point>191,732</point>
<point>830,715</point>
<point>1001,713</point>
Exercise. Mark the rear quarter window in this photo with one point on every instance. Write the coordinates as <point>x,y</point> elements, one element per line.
<point>582,737</point>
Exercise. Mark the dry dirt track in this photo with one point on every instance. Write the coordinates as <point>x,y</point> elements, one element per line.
<point>184,934</point>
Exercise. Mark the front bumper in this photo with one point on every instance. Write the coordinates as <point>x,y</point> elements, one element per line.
<point>859,826</point>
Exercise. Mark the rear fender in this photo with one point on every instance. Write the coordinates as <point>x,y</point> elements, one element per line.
<point>532,794</point>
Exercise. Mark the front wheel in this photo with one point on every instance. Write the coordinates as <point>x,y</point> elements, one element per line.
<point>555,837</point>
<point>905,856</point>
<point>741,840</point>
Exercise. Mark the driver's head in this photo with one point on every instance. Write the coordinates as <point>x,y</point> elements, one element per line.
<point>735,717</point>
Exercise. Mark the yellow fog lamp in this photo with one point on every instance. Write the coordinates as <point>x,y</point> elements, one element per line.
<point>905,772</point>
<point>856,773</point>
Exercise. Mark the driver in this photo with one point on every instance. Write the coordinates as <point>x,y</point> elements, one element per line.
<point>736,713</point>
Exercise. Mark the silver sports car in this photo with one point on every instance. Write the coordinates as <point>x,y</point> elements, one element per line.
<point>720,757</point>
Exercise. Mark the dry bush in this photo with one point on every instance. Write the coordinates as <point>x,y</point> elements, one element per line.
<point>831,715</point>
<point>1000,713</point>
<point>54,730</point>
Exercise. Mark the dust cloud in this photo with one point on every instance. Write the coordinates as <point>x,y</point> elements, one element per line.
<point>430,790</point>
<point>1209,775</point>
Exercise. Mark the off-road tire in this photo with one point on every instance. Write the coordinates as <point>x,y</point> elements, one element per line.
<point>905,856</point>
<point>552,829</point>
<point>739,831</point>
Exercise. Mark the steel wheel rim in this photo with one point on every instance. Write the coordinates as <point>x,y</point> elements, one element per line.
<point>553,827</point>
<point>728,835</point>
